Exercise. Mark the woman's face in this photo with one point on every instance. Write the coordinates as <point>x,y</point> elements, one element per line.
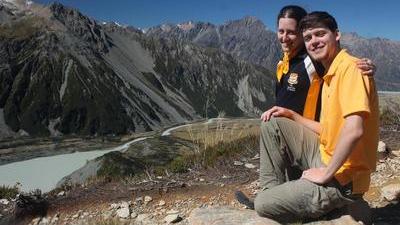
<point>288,35</point>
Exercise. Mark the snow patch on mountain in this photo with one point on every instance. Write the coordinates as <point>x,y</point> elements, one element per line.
<point>186,26</point>
<point>65,78</point>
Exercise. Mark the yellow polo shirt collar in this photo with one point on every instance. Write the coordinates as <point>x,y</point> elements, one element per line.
<point>335,64</point>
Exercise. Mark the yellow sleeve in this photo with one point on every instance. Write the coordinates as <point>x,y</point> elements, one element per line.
<point>354,92</point>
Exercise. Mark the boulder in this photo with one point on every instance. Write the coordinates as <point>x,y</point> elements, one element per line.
<point>344,220</point>
<point>148,199</point>
<point>4,201</point>
<point>123,211</point>
<point>225,216</point>
<point>382,150</point>
<point>237,163</point>
<point>391,192</point>
<point>249,166</point>
<point>173,218</point>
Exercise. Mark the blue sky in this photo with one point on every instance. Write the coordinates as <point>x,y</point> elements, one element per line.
<point>367,18</point>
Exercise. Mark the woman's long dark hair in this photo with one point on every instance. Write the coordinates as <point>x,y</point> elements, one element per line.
<point>292,11</point>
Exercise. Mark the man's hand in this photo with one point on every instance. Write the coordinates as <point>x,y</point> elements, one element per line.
<point>316,175</point>
<point>276,111</point>
<point>366,66</point>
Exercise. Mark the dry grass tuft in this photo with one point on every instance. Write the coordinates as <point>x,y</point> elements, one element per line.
<point>215,141</point>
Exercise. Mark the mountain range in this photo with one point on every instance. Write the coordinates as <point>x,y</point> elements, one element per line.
<point>250,40</point>
<point>62,72</point>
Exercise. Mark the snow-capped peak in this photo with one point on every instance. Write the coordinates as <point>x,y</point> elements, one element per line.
<point>120,25</point>
<point>186,26</point>
<point>17,5</point>
<point>144,30</point>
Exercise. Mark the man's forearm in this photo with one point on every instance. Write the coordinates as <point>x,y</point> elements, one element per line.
<point>349,136</point>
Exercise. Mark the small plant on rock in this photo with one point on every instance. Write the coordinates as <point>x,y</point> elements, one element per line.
<point>9,191</point>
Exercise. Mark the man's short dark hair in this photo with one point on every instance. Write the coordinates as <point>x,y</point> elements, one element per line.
<point>318,19</point>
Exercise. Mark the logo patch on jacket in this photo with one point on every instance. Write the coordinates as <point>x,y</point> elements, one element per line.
<point>292,80</point>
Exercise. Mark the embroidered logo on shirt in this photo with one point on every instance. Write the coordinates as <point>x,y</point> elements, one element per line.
<point>293,80</point>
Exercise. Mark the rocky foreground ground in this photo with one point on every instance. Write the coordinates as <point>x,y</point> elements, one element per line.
<point>197,197</point>
<point>201,195</point>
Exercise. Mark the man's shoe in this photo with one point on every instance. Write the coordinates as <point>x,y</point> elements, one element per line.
<point>243,199</point>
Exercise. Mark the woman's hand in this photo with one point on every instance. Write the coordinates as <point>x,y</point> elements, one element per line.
<point>276,111</point>
<point>366,66</point>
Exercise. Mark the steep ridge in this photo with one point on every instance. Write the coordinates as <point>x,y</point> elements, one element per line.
<point>247,38</point>
<point>64,73</point>
<point>385,54</point>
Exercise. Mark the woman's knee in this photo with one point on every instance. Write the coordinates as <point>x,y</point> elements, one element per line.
<point>268,126</point>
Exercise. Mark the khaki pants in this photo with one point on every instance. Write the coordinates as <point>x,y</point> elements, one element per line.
<point>284,144</point>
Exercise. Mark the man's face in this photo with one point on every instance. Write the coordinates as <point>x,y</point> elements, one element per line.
<point>289,36</point>
<point>321,44</point>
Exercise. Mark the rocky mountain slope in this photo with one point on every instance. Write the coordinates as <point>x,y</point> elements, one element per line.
<point>385,54</point>
<point>64,73</point>
<point>247,38</point>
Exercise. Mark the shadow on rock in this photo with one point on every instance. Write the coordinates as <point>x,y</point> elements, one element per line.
<point>388,214</point>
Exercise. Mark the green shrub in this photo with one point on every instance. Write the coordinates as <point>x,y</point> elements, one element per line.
<point>116,165</point>
<point>180,164</point>
<point>8,192</point>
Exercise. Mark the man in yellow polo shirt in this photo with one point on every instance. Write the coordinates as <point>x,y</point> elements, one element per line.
<point>337,154</point>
